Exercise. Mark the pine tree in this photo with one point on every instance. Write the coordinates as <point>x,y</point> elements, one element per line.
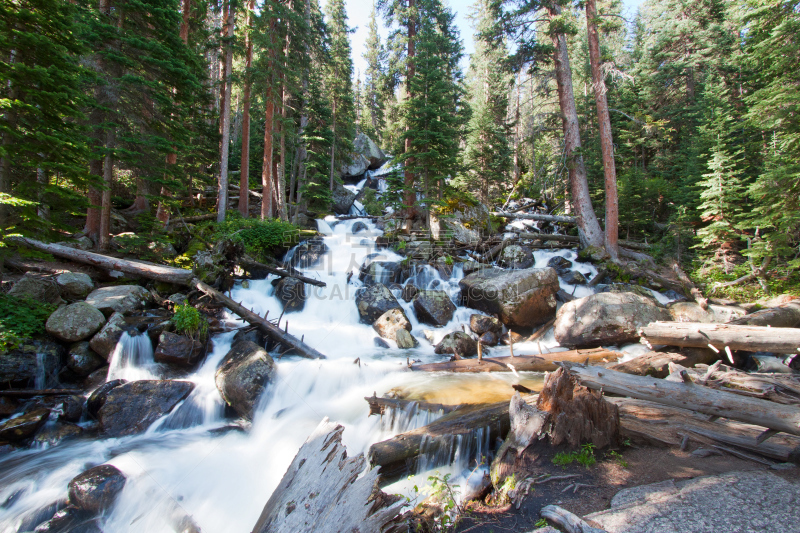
<point>372,119</point>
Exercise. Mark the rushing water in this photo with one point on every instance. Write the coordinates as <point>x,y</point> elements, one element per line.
<point>184,465</point>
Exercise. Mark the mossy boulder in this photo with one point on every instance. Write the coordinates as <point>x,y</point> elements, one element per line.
<point>75,322</point>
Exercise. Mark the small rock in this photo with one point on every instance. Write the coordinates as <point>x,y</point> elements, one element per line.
<point>390,322</point>
<point>69,407</point>
<point>490,338</point>
<point>511,337</point>
<point>292,294</point>
<point>178,298</point>
<point>405,340</point>
<point>178,350</point>
<point>131,407</point>
<point>96,378</point>
<point>385,272</point>
<point>243,375</point>
<point>380,343</point>
<point>480,324</point>
<point>54,433</point>
<point>573,277</point>
<point>409,291</point>
<point>79,243</point>
<point>433,307</point>
<point>75,322</point>
<point>98,397</point>
<point>561,265</point>
<point>516,257</point>
<point>119,298</point>
<point>469,267</point>
<point>457,343</point>
<point>36,288</point>
<point>104,342</point>
<point>96,489</point>
<point>69,520</point>
<point>75,285</point>
<point>358,227</point>
<point>373,301</point>
<point>82,360</point>
<point>23,426</point>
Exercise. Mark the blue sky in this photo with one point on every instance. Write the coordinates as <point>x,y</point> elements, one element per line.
<point>358,12</point>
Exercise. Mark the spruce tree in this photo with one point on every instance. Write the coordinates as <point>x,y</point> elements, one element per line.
<point>372,118</point>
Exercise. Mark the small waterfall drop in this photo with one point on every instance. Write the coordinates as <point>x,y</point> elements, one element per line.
<point>132,358</point>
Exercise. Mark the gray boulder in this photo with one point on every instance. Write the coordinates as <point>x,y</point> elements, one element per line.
<point>457,343</point>
<point>464,224</point>
<point>405,340</point>
<point>75,322</point>
<point>99,396</point>
<point>573,277</point>
<point>380,343</point>
<point>178,350</point>
<point>373,301</point>
<point>356,166</point>
<point>96,489</point>
<point>104,342</point>
<point>132,407</point>
<point>560,264</point>
<point>433,307</point>
<point>523,298</point>
<point>692,312</point>
<point>490,338</point>
<point>342,199</point>
<point>36,288</point>
<point>409,291</point>
<point>79,243</point>
<point>390,322</point>
<point>82,360</point>
<point>480,324</point>
<point>358,226</point>
<point>119,298</point>
<point>23,426</point>
<point>75,285</point>
<point>605,318</point>
<point>366,147</point>
<point>308,253</point>
<point>516,257</point>
<point>380,272</point>
<point>20,367</point>
<point>292,294</point>
<point>243,376</point>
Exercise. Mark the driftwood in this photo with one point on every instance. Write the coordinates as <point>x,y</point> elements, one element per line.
<point>250,264</point>
<point>353,217</point>
<point>30,393</point>
<point>735,337</point>
<point>377,406</point>
<point>661,425</point>
<point>779,388</point>
<point>690,396</point>
<point>323,491</point>
<point>496,249</point>
<point>136,268</point>
<point>547,362</point>
<point>783,316</point>
<point>542,330</point>
<point>571,239</point>
<point>569,522</point>
<point>536,216</point>
<point>688,286</point>
<point>297,346</point>
<point>656,364</point>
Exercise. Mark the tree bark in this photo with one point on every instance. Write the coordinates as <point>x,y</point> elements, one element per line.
<point>225,113</point>
<point>588,226</point>
<point>95,197</point>
<point>547,362</point>
<point>606,140</point>
<point>537,216</point>
<point>269,117</point>
<point>186,10</point>
<point>250,265</point>
<point>104,240</point>
<point>735,337</point>
<point>410,195</point>
<point>333,144</point>
<point>783,316</point>
<point>244,176</point>
<point>656,364</point>
<point>285,100</point>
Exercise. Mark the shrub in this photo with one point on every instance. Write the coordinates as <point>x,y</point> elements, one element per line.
<point>585,457</point>
<point>372,205</point>
<point>188,321</point>
<point>20,319</point>
<point>261,238</point>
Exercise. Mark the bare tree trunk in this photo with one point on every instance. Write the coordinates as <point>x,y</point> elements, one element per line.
<point>606,140</point>
<point>333,144</point>
<point>95,197</point>
<point>244,177</point>
<point>269,127</point>
<point>516,132</point>
<point>588,226</point>
<point>142,190</point>
<point>186,9</point>
<point>408,181</point>
<point>285,97</point>
<point>225,115</point>
<point>42,181</point>
<point>104,240</point>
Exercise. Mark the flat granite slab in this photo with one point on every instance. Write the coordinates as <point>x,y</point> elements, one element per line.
<point>741,502</point>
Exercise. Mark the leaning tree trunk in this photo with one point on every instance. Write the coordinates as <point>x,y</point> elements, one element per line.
<point>588,226</point>
<point>244,177</point>
<point>606,140</point>
<point>225,113</point>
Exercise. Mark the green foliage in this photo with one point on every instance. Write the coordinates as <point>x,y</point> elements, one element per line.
<point>540,523</point>
<point>584,456</point>
<point>617,457</point>
<point>372,204</point>
<point>261,238</point>
<point>445,492</point>
<point>20,319</point>
<point>188,321</point>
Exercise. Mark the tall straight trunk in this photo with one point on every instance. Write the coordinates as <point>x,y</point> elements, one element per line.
<point>5,162</point>
<point>269,129</point>
<point>333,144</point>
<point>42,181</point>
<point>186,10</point>
<point>142,190</point>
<point>606,140</point>
<point>104,240</point>
<point>588,226</point>
<point>302,152</point>
<point>284,113</point>
<point>225,121</point>
<point>95,197</point>
<point>516,132</point>
<point>410,197</point>
<point>244,177</point>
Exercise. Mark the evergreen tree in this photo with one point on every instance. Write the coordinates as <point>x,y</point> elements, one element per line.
<point>372,118</point>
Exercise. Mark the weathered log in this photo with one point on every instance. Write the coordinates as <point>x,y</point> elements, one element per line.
<point>299,347</point>
<point>353,217</point>
<point>779,388</point>
<point>547,362</point>
<point>398,456</point>
<point>496,249</point>
<point>688,286</point>
<point>252,193</point>
<point>735,337</point>
<point>30,393</point>
<point>569,522</point>
<point>248,263</point>
<point>661,425</point>
<point>136,268</point>
<point>571,239</point>
<point>377,406</point>
<point>656,364</point>
<point>536,216</point>
<point>322,491</point>
<point>690,396</point>
<point>542,330</point>
<point>783,316</point>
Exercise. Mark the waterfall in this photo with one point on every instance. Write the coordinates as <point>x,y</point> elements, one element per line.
<point>132,358</point>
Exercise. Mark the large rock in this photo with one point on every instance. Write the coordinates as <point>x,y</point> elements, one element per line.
<point>481,324</point>
<point>100,395</point>
<point>562,265</point>
<point>355,167</point>
<point>373,301</point>
<point>524,298</point>
<point>20,367</point>
<point>82,360</point>
<point>366,147</point>
<point>104,342</point>
<point>75,322</point>
<point>463,223</point>
<point>380,272</point>
<point>342,199</point>
<point>243,375</point>
<point>23,426</point>
<point>70,519</point>
<point>75,285</point>
<point>36,288</point>
<point>292,294</point>
<point>433,307</point>
<point>516,257</point>
<point>692,312</point>
<point>96,489</point>
<point>457,343</point>
<point>405,339</point>
<point>390,322</point>
<point>605,319</point>
<point>308,253</point>
<point>119,298</point>
<point>131,407</point>
<point>178,350</point>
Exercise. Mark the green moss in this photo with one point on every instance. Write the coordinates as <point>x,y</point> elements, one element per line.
<point>20,319</point>
<point>261,238</point>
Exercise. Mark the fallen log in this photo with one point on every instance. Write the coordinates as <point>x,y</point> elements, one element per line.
<point>690,396</point>
<point>720,336</point>
<point>660,425</point>
<point>688,286</point>
<point>298,346</point>
<point>167,274</point>
<point>656,364</point>
<point>377,406</point>
<point>323,491</point>
<point>571,239</point>
<point>250,264</point>
<point>569,522</point>
<point>547,362</point>
<point>779,388</point>
<point>783,316</point>
<point>496,249</point>
<point>252,193</point>
<point>536,216</point>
